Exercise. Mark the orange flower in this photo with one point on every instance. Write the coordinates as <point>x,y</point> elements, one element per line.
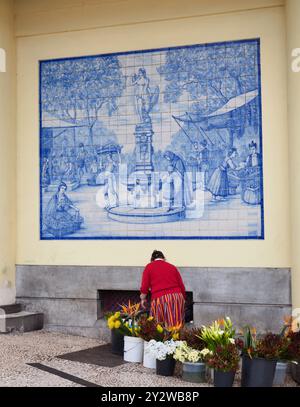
<point>131,309</point>
<point>288,320</point>
<point>176,327</point>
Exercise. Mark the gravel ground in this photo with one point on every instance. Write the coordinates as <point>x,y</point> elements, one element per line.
<point>16,350</point>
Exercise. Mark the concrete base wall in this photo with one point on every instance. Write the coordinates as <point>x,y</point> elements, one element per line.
<point>67,295</point>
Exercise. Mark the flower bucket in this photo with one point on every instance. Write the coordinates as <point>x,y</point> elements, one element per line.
<point>280,373</point>
<point>117,342</point>
<point>223,379</point>
<point>209,374</point>
<point>194,372</point>
<point>257,372</point>
<point>165,367</point>
<point>133,349</point>
<point>149,360</point>
<point>295,370</point>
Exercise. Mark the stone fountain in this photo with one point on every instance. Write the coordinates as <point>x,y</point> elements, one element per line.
<point>148,204</point>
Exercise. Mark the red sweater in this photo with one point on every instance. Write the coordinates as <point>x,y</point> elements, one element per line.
<point>161,278</point>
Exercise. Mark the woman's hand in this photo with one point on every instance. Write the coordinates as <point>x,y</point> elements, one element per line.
<point>143,298</point>
<point>143,303</point>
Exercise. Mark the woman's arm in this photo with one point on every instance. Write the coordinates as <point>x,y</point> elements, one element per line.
<point>181,285</point>
<point>145,285</point>
<point>145,281</point>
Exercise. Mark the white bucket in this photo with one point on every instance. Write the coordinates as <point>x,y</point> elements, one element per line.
<point>133,349</point>
<point>149,360</point>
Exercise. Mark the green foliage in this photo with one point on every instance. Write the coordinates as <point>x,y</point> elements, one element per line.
<point>221,332</point>
<point>225,358</point>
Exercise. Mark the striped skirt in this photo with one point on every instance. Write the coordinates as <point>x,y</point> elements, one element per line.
<point>169,309</point>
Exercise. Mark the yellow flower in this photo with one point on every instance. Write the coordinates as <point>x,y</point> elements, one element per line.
<point>117,315</point>
<point>159,328</point>
<point>110,319</point>
<point>117,324</point>
<point>150,319</point>
<point>175,336</point>
<point>111,325</point>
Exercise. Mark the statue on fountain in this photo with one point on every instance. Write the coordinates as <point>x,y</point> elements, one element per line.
<point>145,98</point>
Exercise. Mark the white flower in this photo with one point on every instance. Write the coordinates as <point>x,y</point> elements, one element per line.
<point>204,352</point>
<point>185,353</point>
<point>231,340</point>
<point>161,350</point>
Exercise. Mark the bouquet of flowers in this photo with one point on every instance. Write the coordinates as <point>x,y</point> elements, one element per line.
<point>149,329</point>
<point>185,353</point>
<point>114,320</point>
<point>131,314</point>
<point>163,350</point>
<point>126,320</point>
<point>221,332</point>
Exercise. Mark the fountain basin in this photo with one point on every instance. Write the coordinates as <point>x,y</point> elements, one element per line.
<point>129,214</point>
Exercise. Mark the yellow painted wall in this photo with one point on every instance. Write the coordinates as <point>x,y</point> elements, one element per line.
<point>51,16</point>
<point>7,156</point>
<point>293,17</point>
<point>268,23</point>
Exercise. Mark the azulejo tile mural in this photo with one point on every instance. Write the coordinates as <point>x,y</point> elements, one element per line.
<point>156,144</point>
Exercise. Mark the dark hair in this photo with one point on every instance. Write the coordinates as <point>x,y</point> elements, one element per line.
<point>253,144</point>
<point>157,255</point>
<point>231,151</point>
<point>142,71</point>
<point>62,184</point>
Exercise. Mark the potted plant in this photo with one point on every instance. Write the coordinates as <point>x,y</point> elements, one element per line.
<point>225,361</point>
<point>220,332</point>
<point>116,326</point>
<point>259,358</point>
<point>163,352</point>
<point>193,362</point>
<point>133,343</point>
<point>294,354</point>
<point>225,355</point>
<point>149,329</point>
<point>284,355</point>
